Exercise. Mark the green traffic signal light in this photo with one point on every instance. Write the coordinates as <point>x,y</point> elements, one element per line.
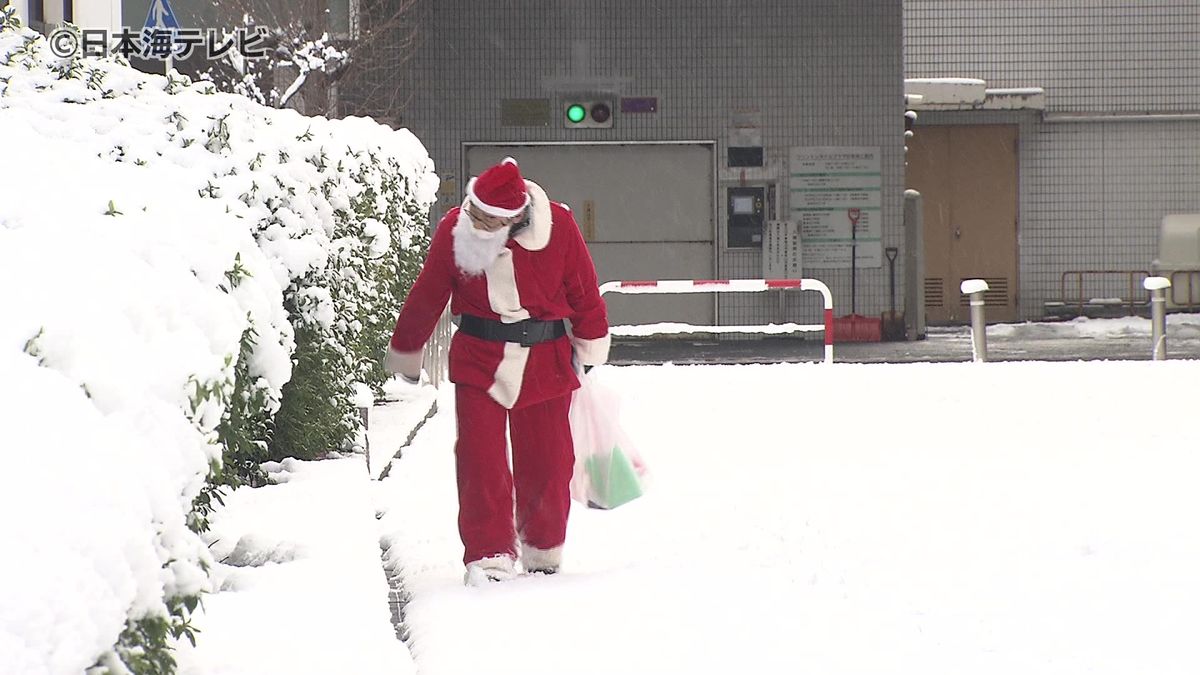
<point>576,113</point>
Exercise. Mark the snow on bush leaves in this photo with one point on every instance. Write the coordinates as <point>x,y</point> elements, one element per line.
<point>167,254</point>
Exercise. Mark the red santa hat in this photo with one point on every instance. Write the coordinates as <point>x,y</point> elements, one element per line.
<point>499,191</point>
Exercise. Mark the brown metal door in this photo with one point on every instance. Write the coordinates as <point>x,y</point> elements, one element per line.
<point>968,178</point>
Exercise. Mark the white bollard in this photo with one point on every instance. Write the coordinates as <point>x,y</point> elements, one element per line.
<point>975,288</point>
<point>1158,315</point>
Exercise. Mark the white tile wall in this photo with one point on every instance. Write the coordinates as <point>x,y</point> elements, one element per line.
<point>1089,54</point>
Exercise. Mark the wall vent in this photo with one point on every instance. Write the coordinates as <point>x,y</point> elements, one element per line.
<point>935,295</point>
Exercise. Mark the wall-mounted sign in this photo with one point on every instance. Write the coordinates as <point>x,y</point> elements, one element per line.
<point>525,112</point>
<point>781,250</point>
<point>587,223</point>
<point>639,104</point>
<point>836,197</point>
<point>745,128</point>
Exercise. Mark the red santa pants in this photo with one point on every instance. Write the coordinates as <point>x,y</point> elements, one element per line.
<point>543,458</point>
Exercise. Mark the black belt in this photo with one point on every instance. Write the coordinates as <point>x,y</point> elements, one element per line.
<point>528,332</point>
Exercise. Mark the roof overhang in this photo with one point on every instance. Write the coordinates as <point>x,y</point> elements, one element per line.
<point>961,93</point>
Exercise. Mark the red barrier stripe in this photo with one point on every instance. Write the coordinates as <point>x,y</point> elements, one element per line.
<point>625,284</point>
<point>710,282</point>
<point>783,283</point>
<point>829,326</point>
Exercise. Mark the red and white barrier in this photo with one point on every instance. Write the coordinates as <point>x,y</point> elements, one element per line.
<point>731,286</point>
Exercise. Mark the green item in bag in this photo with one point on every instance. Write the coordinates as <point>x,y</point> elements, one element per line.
<point>614,480</point>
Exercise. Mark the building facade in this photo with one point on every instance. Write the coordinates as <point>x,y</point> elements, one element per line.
<point>1050,139</point>
<point>717,119</point>
<point>1100,106</point>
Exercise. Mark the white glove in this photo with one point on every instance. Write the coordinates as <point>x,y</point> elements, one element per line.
<point>405,387</point>
<point>579,368</point>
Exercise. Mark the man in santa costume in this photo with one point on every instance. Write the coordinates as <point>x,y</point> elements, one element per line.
<point>514,266</point>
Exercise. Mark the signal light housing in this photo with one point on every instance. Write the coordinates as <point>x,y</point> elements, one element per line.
<point>589,114</point>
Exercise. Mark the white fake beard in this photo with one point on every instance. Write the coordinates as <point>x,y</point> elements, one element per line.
<point>476,250</point>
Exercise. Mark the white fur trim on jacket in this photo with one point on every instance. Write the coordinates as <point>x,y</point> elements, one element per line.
<point>592,352</point>
<point>537,236</point>
<point>540,559</point>
<point>506,386</point>
<point>407,364</point>
<point>505,300</point>
<point>503,295</point>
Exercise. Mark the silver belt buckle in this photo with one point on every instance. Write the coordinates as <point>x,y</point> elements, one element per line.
<point>525,341</point>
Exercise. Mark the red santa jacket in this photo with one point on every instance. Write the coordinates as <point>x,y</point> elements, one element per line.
<point>544,272</point>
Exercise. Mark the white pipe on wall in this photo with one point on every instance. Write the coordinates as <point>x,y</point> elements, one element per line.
<point>1122,117</point>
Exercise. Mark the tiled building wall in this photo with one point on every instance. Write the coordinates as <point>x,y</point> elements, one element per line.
<point>1095,178</point>
<point>1090,55</point>
<point>820,72</point>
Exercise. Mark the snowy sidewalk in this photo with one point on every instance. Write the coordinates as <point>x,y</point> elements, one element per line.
<point>300,582</point>
<point>301,586</point>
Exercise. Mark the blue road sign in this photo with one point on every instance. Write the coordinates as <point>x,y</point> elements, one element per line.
<point>160,17</point>
<point>161,20</point>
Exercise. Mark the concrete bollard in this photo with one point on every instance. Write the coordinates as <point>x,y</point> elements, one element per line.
<point>975,288</point>
<point>1158,315</point>
<point>914,267</point>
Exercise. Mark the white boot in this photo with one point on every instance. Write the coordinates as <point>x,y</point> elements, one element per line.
<point>539,560</point>
<point>486,570</point>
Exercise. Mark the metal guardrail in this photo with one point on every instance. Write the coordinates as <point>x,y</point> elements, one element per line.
<point>1136,296</point>
<point>730,286</point>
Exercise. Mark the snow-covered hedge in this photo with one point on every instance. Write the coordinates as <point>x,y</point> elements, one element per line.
<point>181,273</point>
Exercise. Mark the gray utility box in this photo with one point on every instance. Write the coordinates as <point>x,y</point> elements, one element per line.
<point>1179,259</point>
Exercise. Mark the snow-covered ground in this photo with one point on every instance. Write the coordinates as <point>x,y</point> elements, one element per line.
<point>927,518</point>
<point>1178,326</point>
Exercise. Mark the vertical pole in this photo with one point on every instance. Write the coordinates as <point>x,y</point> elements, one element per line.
<point>978,327</point>
<point>975,289</point>
<point>914,267</point>
<point>853,273</point>
<point>1158,315</point>
<point>891,252</point>
<point>364,414</point>
<point>1158,319</point>
<point>853,215</point>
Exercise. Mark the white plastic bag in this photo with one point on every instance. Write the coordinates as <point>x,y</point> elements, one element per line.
<point>609,471</point>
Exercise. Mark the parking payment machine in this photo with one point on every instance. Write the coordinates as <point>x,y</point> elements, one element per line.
<point>747,215</point>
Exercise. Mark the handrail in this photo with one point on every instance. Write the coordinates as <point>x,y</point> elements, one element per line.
<point>1134,278</point>
<point>735,285</point>
<point>437,350</point>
